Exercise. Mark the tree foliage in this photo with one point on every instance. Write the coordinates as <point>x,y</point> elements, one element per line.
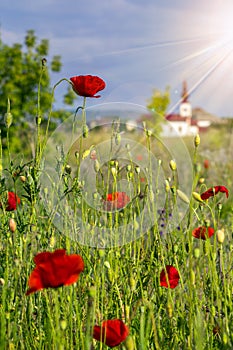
<point>157,105</point>
<point>21,71</point>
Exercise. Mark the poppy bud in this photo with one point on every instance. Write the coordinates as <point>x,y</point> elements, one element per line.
<point>182,196</point>
<point>137,169</point>
<point>172,165</point>
<point>22,178</point>
<point>2,282</point>
<point>12,225</point>
<point>167,186</point>
<point>197,197</point>
<point>192,277</point>
<point>148,133</point>
<point>132,283</point>
<point>85,131</point>
<point>68,169</point>
<point>169,309</point>
<point>196,253</point>
<point>129,167</point>
<point>118,139</point>
<point>201,180</point>
<point>96,166</point>
<point>114,171</point>
<point>63,324</point>
<point>197,141</point>
<point>220,235</point>
<point>8,119</point>
<point>129,343</point>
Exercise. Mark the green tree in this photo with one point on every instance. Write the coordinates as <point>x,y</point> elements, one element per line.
<point>157,105</point>
<point>21,67</point>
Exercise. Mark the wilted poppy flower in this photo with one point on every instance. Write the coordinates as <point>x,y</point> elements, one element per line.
<point>111,332</point>
<point>202,232</point>
<point>12,201</point>
<point>213,191</point>
<point>54,270</point>
<point>169,279</point>
<point>87,85</point>
<point>116,200</point>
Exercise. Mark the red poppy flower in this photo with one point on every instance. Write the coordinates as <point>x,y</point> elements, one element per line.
<point>171,279</point>
<point>116,200</point>
<point>54,270</point>
<point>201,232</point>
<point>12,202</point>
<point>213,191</point>
<point>111,332</point>
<point>87,85</point>
<point>206,164</point>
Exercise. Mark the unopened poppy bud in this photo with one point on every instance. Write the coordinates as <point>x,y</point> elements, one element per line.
<point>92,291</point>
<point>132,283</point>
<point>182,196</point>
<point>96,166</point>
<point>201,180</point>
<point>2,282</point>
<point>114,171</point>
<point>169,309</point>
<point>106,264</point>
<point>52,241</point>
<point>137,169</point>
<point>129,167</point>
<point>117,139</point>
<point>151,195</point>
<point>8,119</point>
<point>197,141</point>
<point>172,165</point>
<point>167,186</point>
<point>219,206</point>
<point>129,175</point>
<point>85,131</point>
<point>192,277</point>
<point>220,235</point>
<point>148,133</point>
<point>225,338</point>
<point>38,120</point>
<point>129,343</point>
<point>68,169</point>
<point>63,324</point>
<point>76,155</point>
<point>12,225</point>
<point>22,178</point>
<point>197,197</point>
<point>197,253</point>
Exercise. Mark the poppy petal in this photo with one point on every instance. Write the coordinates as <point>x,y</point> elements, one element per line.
<point>202,232</point>
<point>54,270</point>
<point>170,277</point>
<point>213,191</point>
<point>111,332</point>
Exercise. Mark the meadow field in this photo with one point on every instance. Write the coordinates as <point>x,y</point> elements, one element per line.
<point>117,238</point>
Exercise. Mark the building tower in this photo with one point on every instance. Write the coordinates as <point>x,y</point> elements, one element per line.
<point>185,106</point>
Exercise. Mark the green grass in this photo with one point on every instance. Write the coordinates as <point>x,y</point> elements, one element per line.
<point>123,280</point>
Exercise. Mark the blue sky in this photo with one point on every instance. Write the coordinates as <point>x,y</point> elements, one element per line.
<point>135,45</point>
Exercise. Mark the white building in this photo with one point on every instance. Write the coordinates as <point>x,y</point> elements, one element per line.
<point>181,124</point>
